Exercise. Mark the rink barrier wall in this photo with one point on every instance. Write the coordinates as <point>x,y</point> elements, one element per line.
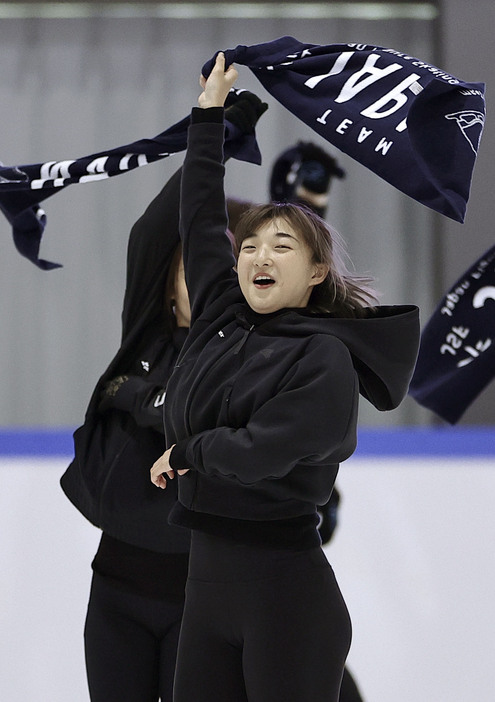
<point>449,441</point>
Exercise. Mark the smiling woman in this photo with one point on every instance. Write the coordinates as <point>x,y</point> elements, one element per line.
<point>261,409</point>
<point>276,268</point>
<point>290,250</point>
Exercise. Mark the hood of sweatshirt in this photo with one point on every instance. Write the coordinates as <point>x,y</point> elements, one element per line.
<point>383,344</point>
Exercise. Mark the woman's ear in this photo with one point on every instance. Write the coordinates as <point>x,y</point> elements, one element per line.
<point>321,272</point>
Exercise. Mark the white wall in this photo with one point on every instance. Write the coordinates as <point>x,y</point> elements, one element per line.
<point>413,554</point>
<point>46,548</point>
<point>414,558</point>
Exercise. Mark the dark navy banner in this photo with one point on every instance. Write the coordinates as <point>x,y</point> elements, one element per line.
<point>22,188</point>
<point>409,122</point>
<point>457,352</point>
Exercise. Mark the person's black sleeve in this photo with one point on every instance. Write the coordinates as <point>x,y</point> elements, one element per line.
<point>207,251</point>
<point>152,242</point>
<point>142,399</point>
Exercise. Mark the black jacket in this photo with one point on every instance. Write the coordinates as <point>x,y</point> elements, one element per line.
<point>108,480</point>
<point>262,409</point>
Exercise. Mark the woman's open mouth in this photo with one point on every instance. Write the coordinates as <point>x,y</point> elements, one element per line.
<point>263,281</point>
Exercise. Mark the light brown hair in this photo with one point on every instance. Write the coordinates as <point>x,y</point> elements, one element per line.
<point>342,293</point>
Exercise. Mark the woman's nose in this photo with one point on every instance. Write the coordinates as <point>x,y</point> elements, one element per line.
<point>262,257</point>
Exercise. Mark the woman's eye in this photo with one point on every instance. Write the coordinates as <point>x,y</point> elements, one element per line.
<point>282,246</point>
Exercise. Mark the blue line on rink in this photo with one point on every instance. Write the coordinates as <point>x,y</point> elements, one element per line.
<point>414,441</point>
<point>417,441</point>
<point>36,442</point>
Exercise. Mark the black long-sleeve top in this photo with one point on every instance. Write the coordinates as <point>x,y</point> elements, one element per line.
<point>263,408</point>
<point>108,480</point>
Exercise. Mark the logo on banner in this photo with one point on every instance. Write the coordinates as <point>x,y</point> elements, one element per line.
<point>467,121</point>
<point>483,294</point>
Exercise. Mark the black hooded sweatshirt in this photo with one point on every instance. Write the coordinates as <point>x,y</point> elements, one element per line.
<point>121,438</point>
<point>123,433</point>
<point>263,408</point>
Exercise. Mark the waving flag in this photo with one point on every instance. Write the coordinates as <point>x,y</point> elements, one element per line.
<point>457,352</point>
<point>22,188</point>
<point>409,122</point>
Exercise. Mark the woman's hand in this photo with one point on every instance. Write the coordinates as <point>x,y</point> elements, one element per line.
<point>161,467</point>
<point>218,84</point>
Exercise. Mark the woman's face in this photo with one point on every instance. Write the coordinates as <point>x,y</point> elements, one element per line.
<point>276,268</point>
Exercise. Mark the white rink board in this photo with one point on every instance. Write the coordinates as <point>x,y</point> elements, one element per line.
<point>413,554</point>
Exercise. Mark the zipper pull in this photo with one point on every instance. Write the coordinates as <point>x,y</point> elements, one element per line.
<point>241,343</point>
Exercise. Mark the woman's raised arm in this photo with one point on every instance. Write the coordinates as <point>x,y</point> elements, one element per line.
<point>208,258</point>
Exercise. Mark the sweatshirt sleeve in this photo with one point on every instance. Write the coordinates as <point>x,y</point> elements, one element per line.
<point>140,398</point>
<point>311,420</point>
<point>152,241</point>
<point>208,257</point>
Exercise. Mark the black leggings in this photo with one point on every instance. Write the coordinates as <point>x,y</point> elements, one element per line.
<point>130,645</point>
<point>260,625</point>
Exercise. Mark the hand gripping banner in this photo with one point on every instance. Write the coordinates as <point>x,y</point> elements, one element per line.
<point>409,122</point>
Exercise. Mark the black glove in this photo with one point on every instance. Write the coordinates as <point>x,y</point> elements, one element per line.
<point>244,109</point>
<point>110,390</point>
